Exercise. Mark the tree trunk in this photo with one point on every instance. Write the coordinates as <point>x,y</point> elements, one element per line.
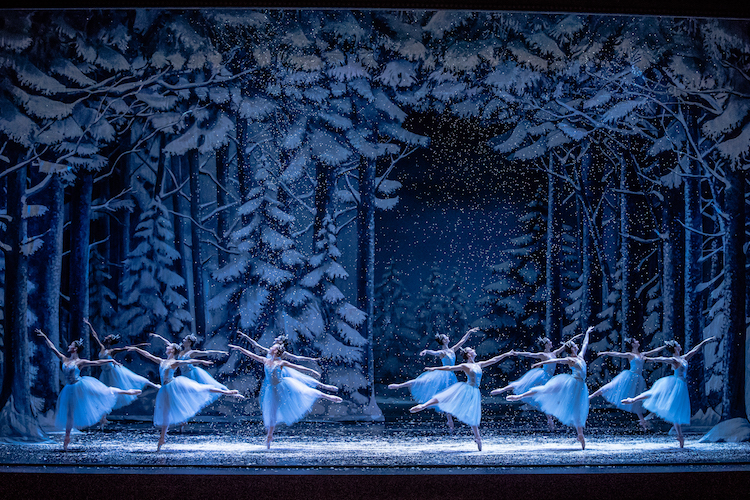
<point>177,165</point>
<point>672,267</point>
<point>49,289</point>
<point>322,197</point>
<point>366,269</point>
<point>692,278</point>
<point>554,311</point>
<point>733,400</point>
<point>590,268</point>
<point>222,200</point>
<point>627,293</point>
<point>17,418</point>
<point>196,249</point>
<point>80,232</point>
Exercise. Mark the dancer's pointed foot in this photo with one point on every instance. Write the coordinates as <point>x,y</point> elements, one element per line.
<point>415,409</point>
<point>628,401</point>
<point>644,424</point>
<point>582,441</point>
<point>331,388</point>
<point>236,394</point>
<point>513,397</point>
<point>66,442</point>
<point>133,392</point>
<point>681,439</point>
<point>478,440</point>
<point>161,442</point>
<point>394,386</point>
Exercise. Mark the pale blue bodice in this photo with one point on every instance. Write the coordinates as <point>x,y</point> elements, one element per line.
<point>578,370</point>
<point>636,365</point>
<point>474,375</point>
<point>186,368</point>
<point>273,373</point>
<point>680,371</point>
<point>166,374</point>
<point>71,373</point>
<point>107,366</point>
<point>449,358</point>
<point>549,369</point>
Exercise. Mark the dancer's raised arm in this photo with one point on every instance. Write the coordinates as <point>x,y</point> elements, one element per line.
<point>464,339</point>
<point>265,350</point>
<point>50,344</point>
<point>160,337</point>
<point>697,348</point>
<point>561,361</point>
<point>145,353</point>
<point>496,359</point>
<point>560,349</point>
<point>585,344</point>
<point>247,353</point>
<point>93,334</point>
<point>194,353</point>
<point>82,363</point>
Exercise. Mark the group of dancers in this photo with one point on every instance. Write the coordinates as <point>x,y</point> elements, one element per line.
<point>290,390</point>
<point>564,396</point>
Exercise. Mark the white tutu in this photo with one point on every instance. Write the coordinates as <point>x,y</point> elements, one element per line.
<point>565,397</point>
<point>179,398</point>
<point>626,384</point>
<point>284,399</point>
<point>85,399</point>
<point>118,376</point>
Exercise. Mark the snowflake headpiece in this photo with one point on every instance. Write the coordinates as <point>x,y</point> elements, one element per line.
<point>111,339</point>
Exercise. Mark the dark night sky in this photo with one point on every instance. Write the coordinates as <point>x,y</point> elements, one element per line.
<point>458,205</point>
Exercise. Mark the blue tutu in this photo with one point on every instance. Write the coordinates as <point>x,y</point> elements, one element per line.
<point>627,384</point>
<point>669,398</point>
<point>284,399</point>
<point>85,399</point>
<point>532,378</point>
<point>201,376</point>
<point>463,399</point>
<point>565,397</point>
<point>432,382</point>
<point>179,398</point>
<point>118,376</point>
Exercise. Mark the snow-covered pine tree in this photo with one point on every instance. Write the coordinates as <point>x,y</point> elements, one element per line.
<point>152,301</point>
<point>337,340</point>
<point>431,310</point>
<point>396,338</point>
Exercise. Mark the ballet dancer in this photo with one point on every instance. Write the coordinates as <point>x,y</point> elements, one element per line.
<point>463,399</point>
<point>668,397</point>
<point>116,375</point>
<point>536,376</point>
<point>429,383</point>
<point>564,396</point>
<point>627,383</point>
<point>284,399</point>
<point>84,400</point>
<point>179,398</point>
<point>287,371</point>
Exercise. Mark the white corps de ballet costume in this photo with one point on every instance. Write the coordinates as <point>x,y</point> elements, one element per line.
<point>201,376</point>
<point>284,399</point>
<point>627,384</point>
<point>85,399</point>
<point>430,383</point>
<point>114,375</point>
<point>463,399</point>
<point>179,398</point>
<point>565,396</point>
<point>669,397</point>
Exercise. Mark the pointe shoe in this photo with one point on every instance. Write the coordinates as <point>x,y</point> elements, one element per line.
<point>582,440</point>
<point>415,409</point>
<point>66,442</point>
<point>160,443</point>
<point>627,401</point>
<point>479,443</point>
<point>393,386</point>
<point>513,397</point>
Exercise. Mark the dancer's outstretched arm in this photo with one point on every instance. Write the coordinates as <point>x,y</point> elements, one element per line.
<point>50,344</point>
<point>661,359</point>
<point>182,362</point>
<point>697,348</point>
<point>285,355</point>
<point>145,354</point>
<point>561,361</point>
<point>496,359</point>
<point>560,349</point>
<point>450,368</point>
<point>535,355</point>
<point>654,351</point>
<point>585,344</point>
<point>82,363</point>
<point>464,339</point>
<point>615,354</point>
<point>430,352</point>
<point>195,353</point>
<point>300,368</point>
<point>247,353</point>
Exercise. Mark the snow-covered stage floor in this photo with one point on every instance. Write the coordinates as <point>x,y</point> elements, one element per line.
<point>416,458</point>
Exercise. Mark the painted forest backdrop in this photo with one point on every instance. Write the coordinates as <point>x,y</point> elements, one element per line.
<point>205,171</point>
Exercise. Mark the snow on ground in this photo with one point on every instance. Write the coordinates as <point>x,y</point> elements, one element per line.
<point>390,445</point>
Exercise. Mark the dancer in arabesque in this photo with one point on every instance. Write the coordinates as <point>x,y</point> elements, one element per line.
<point>84,400</point>
<point>536,376</point>
<point>564,396</point>
<point>283,341</point>
<point>179,398</point>
<point>284,399</point>
<point>628,383</point>
<point>668,398</point>
<point>116,375</point>
<point>429,383</point>
<point>463,399</point>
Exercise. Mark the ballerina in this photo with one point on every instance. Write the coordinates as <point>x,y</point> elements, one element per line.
<point>564,396</point>
<point>284,399</point>
<point>463,399</point>
<point>179,398</point>
<point>668,397</point>
<point>627,383</point>
<point>536,376</point>
<point>429,383</point>
<point>84,400</point>
<point>282,340</point>
<point>116,375</point>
